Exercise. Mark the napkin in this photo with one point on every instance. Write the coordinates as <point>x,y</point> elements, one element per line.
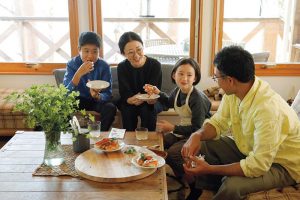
<point>117,133</point>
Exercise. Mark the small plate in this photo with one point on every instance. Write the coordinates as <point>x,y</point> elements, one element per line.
<point>160,160</point>
<point>162,154</point>
<point>97,84</point>
<point>146,97</point>
<point>121,145</point>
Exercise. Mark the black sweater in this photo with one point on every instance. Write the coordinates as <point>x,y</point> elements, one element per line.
<point>131,80</point>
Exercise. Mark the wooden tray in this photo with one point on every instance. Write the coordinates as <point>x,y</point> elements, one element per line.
<point>110,167</point>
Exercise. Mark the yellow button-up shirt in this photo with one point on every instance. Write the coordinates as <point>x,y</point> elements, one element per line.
<point>264,127</point>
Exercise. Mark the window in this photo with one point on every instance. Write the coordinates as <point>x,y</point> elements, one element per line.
<point>266,28</point>
<point>35,35</point>
<point>165,27</point>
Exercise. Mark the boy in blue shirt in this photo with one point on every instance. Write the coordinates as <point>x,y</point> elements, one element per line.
<point>85,67</point>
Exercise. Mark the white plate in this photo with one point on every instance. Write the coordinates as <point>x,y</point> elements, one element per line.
<point>146,97</point>
<point>160,160</point>
<point>121,145</point>
<point>97,84</point>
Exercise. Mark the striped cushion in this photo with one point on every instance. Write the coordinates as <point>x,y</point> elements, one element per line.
<point>286,193</point>
<point>10,121</point>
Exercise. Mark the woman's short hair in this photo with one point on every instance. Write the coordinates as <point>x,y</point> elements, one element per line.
<point>128,37</point>
<point>191,62</point>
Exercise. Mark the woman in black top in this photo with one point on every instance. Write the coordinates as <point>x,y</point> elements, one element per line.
<point>133,73</point>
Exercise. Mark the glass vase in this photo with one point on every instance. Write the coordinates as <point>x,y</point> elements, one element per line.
<point>54,154</point>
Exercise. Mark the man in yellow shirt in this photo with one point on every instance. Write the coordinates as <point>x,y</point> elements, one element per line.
<point>263,152</point>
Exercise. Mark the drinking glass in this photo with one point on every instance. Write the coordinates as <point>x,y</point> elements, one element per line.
<point>94,128</point>
<point>141,133</point>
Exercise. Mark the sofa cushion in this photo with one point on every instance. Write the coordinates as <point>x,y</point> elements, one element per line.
<point>10,121</point>
<point>167,85</point>
<point>115,85</point>
<point>6,108</point>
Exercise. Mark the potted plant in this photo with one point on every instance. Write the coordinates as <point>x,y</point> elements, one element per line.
<point>51,108</point>
<point>80,131</point>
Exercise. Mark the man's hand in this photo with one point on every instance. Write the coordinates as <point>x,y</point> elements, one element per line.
<point>192,146</point>
<point>196,166</point>
<point>164,126</point>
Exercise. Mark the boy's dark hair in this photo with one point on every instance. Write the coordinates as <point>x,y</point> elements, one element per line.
<point>89,38</point>
<point>128,37</point>
<point>191,62</point>
<point>236,62</point>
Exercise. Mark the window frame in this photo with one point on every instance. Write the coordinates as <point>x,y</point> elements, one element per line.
<point>195,26</point>
<point>261,69</point>
<point>23,68</point>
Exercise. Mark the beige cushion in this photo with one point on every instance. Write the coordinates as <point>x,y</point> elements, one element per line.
<point>10,121</point>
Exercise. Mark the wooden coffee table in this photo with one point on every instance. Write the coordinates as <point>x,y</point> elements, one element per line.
<point>24,153</point>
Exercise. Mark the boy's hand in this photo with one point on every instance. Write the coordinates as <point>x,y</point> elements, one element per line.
<point>95,93</point>
<point>86,67</point>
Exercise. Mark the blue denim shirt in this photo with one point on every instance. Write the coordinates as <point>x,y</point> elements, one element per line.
<point>101,72</point>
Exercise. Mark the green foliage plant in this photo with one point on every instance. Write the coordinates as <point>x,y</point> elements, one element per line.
<point>47,106</point>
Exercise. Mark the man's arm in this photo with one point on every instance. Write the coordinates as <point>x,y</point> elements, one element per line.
<point>192,145</point>
<point>201,168</point>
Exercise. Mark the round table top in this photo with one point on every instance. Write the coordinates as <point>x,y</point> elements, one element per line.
<point>100,166</point>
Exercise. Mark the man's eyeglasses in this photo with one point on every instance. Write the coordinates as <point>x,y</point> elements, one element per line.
<point>139,51</point>
<point>215,77</point>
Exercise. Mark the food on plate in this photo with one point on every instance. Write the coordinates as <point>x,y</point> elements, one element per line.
<point>130,150</point>
<point>147,160</point>
<point>108,144</point>
<point>150,89</point>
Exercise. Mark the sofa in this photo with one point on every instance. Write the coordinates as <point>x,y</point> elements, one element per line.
<point>11,121</point>
<point>167,86</point>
